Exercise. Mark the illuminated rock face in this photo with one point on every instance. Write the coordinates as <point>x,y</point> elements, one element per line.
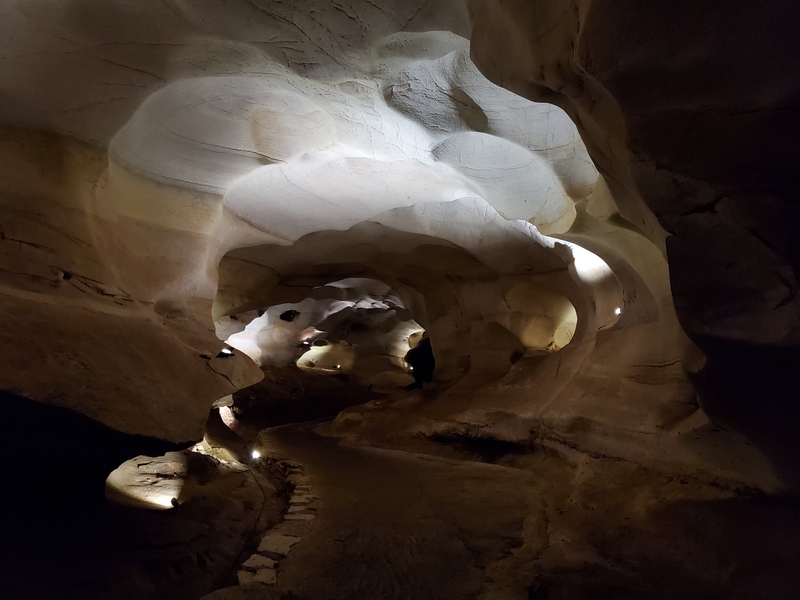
<point>211,159</point>
<point>691,152</point>
<point>221,140</point>
<point>105,305</point>
<point>357,327</point>
<point>675,131</point>
<point>152,483</point>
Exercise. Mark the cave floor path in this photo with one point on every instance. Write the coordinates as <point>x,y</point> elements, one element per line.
<point>398,525</point>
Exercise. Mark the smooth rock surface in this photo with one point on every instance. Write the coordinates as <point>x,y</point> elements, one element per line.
<point>394,524</point>
<point>553,241</point>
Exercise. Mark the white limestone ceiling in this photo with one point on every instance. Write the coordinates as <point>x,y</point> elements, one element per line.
<point>473,272</point>
<point>356,326</point>
<point>277,144</point>
<point>236,124</point>
<point>271,340</point>
<point>410,135</point>
<point>83,67</point>
<point>303,118</point>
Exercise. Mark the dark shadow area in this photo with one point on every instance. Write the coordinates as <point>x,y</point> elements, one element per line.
<point>59,459</point>
<point>291,395</point>
<point>289,315</point>
<point>732,549</point>
<point>423,363</point>
<point>482,449</point>
<point>64,541</point>
<point>754,390</point>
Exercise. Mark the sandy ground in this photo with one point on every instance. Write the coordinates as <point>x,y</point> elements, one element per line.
<point>398,525</point>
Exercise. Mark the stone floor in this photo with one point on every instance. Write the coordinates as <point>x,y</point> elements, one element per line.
<point>396,525</point>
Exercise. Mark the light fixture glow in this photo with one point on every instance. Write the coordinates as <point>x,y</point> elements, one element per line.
<point>255,454</point>
<point>226,351</point>
<point>338,366</point>
<point>617,311</point>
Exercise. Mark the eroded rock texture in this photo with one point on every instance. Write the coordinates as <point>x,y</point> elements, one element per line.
<point>312,144</point>
<point>690,112</point>
<point>268,129</point>
<point>199,196</point>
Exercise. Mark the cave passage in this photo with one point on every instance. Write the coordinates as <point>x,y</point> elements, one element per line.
<point>347,343</point>
<point>408,299</point>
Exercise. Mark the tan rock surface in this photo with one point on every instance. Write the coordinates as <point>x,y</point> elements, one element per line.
<point>337,189</point>
<point>691,152</point>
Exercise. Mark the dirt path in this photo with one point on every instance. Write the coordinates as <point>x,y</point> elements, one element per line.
<point>397,525</point>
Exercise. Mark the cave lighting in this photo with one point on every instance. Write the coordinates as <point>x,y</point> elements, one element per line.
<point>617,311</point>
<point>165,501</point>
<point>255,454</point>
<point>226,351</point>
<point>128,485</point>
<point>227,416</point>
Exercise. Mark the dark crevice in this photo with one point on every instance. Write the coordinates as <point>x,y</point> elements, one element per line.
<point>65,455</point>
<point>289,315</point>
<point>483,449</point>
<point>706,208</point>
<point>289,395</point>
